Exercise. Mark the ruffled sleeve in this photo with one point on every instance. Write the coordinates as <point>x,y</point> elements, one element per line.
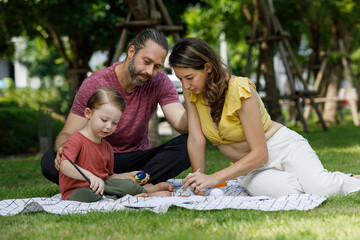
<point>238,89</point>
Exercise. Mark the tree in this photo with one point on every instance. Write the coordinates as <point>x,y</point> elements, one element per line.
<point>329,23</point>
<point>76,28</point>
<point>312,21</point>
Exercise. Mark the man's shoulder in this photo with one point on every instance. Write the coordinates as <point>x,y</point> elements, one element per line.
<point>100,78</point>
<point>108,71</point>
<point>161,79</point>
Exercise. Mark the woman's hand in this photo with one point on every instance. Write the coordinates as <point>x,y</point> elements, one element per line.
<point>97,184</point>
<point>199,182</point>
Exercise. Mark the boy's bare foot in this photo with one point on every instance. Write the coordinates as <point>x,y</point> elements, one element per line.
<point>356,176</point>
<point>160,194</point>
<point>142,195</point>
<point>163,186</point>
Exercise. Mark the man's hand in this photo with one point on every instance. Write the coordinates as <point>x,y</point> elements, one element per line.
<point>57,158</point>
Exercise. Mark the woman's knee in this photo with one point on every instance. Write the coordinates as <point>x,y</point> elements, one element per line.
<point>273,183</point>
<point>325,184</point>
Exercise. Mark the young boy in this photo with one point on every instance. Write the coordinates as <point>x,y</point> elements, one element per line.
<point>94,156</point>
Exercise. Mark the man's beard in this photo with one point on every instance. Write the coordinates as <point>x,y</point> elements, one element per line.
<point>134,75</point>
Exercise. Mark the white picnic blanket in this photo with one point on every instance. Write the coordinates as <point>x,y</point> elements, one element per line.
<point>235,197</point>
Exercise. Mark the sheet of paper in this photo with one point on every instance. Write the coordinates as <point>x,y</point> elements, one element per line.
<point>158,201</point>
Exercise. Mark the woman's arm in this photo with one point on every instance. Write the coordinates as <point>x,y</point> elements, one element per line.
<point>196,140</point>
<point>250,118</point>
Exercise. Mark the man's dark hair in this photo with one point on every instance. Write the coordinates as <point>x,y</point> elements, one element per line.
<point>149,34</point>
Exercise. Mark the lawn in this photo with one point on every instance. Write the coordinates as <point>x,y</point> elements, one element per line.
<point>336,218</point>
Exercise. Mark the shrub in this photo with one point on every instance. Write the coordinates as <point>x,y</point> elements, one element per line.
<point>58,99</point>
<point>19,130</point>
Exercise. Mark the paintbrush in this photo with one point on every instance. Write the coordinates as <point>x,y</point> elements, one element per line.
<point>83,174</point>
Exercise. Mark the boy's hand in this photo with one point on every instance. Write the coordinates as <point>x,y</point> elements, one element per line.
<point>129,175</point>
<point>132,177</point>
<point>97,184</point>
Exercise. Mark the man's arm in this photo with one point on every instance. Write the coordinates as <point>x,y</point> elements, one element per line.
<point>175,114</point>
<point>73,124</point>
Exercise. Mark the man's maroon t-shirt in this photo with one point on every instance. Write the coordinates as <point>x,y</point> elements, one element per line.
<point>132,131</point>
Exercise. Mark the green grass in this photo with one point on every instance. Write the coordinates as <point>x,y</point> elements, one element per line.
<point>336,218</point>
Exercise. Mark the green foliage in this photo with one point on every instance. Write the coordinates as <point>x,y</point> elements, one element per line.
<point>19,117</point>
<point>209,20</point>
<point>55,98</point>
<point>91,22</point>
<point>19,130</point>
<point>303,20</point>
<point>41,60</point>
<point>334,58</point>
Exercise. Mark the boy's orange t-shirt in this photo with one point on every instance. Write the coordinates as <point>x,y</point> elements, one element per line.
<point>97,158</point>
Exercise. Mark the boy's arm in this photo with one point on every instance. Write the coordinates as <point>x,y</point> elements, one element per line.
<point>127,175</point>
<point>96,183</point>
<point>69,170</point>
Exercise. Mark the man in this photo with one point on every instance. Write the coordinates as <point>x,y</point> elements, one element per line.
<point>138,79</point>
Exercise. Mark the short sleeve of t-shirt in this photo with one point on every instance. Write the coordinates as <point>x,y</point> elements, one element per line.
<point>239,89</point>
<point>72,148</point>
<point>168,93</point>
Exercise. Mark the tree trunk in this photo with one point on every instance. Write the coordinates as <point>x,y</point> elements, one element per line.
<point>154,136</point>
<point>267,61</point>
<point>336,70</point>
<point>330,107</point>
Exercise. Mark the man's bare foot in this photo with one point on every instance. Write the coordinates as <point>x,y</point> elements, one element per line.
<point>356,176</point>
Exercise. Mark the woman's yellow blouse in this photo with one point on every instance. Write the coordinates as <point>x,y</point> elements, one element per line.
<point>230,129</point>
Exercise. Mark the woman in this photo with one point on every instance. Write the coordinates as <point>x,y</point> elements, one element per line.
<point>269,159</point>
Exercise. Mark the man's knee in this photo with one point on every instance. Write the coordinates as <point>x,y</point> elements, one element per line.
<point>48,166</point>
<point>180,140</point>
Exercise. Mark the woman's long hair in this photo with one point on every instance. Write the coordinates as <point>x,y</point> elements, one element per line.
<point>194,53</point>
